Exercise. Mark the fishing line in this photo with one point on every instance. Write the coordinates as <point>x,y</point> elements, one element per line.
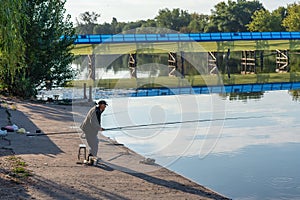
<point>136,127</point>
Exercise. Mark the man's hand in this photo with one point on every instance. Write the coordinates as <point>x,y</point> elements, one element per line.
<point>102,129</point>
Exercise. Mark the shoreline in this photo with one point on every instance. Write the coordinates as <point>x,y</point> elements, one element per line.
<point>55,174</point>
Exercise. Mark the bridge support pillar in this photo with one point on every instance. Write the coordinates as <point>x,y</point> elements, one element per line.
<point>91,67</point>
<point>282,61</point>
<point>212,63</point>
<point>132,65</point>
<point>172,63</point>
<point>176,64</point>
<point>248,62</point>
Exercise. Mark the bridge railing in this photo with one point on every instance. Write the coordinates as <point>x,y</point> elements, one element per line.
<point>185,37</point>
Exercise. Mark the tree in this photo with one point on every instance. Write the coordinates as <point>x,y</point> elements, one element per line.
<point>131,27</point>
<point>104,28</point>
<point>11,41</point>
<point>150,23</point>
<point>264,21</point>
<point>174,19</point>
<point>232,17</point>
<point>49,39</point>
<point>292,21</point>
<point>116,27</point>
<point>197,23</point>
<point>46,56</point>
<point>87,22</point>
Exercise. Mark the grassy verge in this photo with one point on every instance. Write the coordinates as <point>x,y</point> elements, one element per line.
<point>197,80</point>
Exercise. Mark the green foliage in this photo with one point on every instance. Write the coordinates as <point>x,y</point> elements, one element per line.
<point>132,25</point>
<point>197,23</point>
<point>174,20</point>
<point>295,61</point>
<point>232,17</point>
<point>11,41</point>
<point>292,21</point>
<point>18,167</point>
<point>264,21</point>
<point>87,22</point>
<point>114,27</point>
<point>227,16</point>
<point>46,57</point>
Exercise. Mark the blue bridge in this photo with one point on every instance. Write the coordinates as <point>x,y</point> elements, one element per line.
<point>185,37</point>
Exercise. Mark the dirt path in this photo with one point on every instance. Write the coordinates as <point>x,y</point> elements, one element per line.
<point>52,159</point>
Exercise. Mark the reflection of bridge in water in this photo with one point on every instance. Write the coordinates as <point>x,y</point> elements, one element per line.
<point>226,89</point>
<point>250,44</point>
<point>246,90</point>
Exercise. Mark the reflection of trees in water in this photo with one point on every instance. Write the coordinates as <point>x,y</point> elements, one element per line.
<point>295,94</point>
<point>244,96</point>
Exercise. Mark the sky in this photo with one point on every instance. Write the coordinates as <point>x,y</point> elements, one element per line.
<point>133,10</point>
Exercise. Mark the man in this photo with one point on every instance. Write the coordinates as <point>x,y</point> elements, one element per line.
<point>91,125</point>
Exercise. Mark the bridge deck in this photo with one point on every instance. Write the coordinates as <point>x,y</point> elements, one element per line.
<point>188,37</point>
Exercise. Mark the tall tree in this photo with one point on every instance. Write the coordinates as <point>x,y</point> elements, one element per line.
<point>150,23</point>
<point>292,21</point>
<point>11,41</point>
<point>198,23</point>
<point>264,21</point>
<point>49,39</point>
<point>232,17</point>
<point>87,22</point>
<point>131,27</point>
<point>104,28</point>
<point>174,19</point>
<point>46,55</point>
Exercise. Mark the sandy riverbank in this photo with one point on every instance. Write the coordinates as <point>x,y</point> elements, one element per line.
<point>52,160</point>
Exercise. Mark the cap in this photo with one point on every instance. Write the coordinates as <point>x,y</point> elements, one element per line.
<point>102,102</point>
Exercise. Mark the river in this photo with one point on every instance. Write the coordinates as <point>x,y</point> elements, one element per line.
<point>244,147</point>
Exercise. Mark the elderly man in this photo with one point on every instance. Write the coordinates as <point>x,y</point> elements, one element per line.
<point>91,125</point>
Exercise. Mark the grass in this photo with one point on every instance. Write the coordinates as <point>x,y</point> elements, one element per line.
<point>18,167</point>
<point>197,80</point>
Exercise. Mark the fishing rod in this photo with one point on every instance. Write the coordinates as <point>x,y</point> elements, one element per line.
<point>62,133</point>
<point>53,133</point>
<point>179,122</point>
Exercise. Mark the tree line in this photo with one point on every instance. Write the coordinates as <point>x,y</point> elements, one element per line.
<point>230,16</point>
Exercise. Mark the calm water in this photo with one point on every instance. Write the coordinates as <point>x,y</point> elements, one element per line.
<point>243,149</point>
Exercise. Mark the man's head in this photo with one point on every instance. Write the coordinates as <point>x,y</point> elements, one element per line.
<point>102,105</point>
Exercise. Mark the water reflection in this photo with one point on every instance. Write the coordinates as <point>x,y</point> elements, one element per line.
<point>242,149</point>
<point>295,94</point>
<point>245,96</point>
<point>268,171</point>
